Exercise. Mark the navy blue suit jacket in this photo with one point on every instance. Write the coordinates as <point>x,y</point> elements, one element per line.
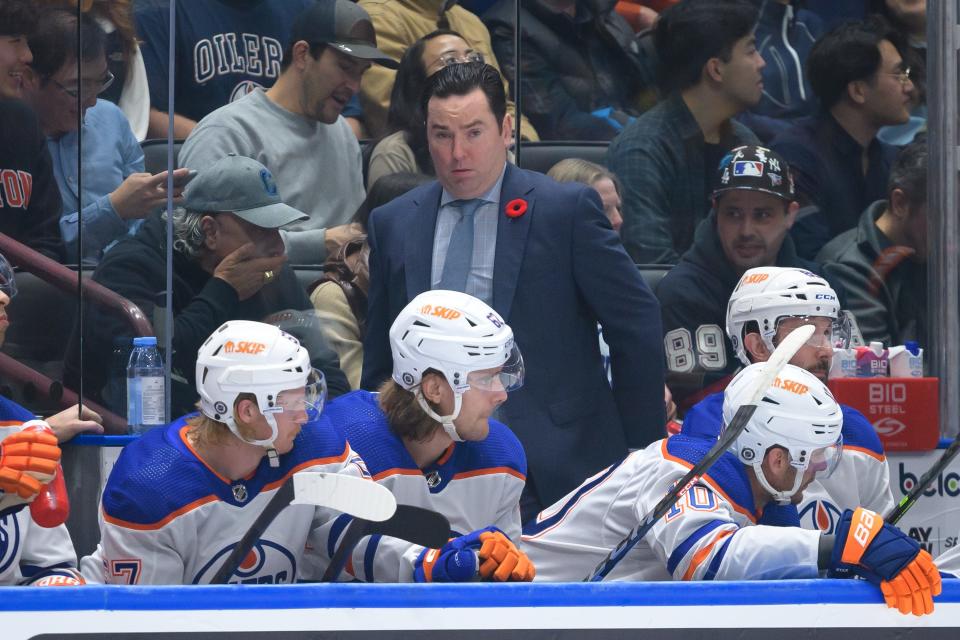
<point>559,269</point>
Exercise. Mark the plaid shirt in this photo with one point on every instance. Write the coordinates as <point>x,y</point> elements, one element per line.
<point>659,158</point>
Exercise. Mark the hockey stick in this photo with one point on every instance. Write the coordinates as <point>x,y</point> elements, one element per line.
<point>914,494</point>
<point>349,494</point>
<point>414,524</point>
<point>781,356</point>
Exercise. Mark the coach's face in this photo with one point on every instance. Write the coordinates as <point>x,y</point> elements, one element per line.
<point>467,144</point>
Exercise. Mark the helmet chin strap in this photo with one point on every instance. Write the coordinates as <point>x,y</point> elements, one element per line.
<point>782,497</point>
<point>267,443</point>
<point>445,421</point>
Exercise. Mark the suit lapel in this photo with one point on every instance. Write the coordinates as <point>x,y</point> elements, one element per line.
<point>511,240</point>
<point>418,249</point>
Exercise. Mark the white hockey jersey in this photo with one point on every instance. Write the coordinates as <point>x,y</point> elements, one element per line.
<point>710,534</point>
<point>473,484</point>
<point>29,552</point>
<point>168,518</point>
<point>862,479</point>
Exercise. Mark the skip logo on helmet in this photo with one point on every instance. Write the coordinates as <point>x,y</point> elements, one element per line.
<point>244,346</point>
<point>441,312</point>
<point>791,385</point>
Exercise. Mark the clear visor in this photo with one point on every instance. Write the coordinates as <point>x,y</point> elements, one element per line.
<point>830,332</point>
<point>822,462</point>
<point>507,378</point>
<point>306,400</point>
<point>7,282</point>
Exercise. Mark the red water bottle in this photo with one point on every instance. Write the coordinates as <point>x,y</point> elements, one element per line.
<point>51,507</point>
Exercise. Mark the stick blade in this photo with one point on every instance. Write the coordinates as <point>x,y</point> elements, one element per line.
<point>420,526</point>
<point>356,496</point>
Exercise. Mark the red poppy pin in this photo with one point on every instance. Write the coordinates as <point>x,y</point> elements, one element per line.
<point>516,208</point>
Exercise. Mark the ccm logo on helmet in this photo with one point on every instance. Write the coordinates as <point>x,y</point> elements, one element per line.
<point>441,312</point>
<point>244,346</point>
<point>790,385</point>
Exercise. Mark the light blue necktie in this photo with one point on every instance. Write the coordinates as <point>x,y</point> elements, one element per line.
<point>459,259</point>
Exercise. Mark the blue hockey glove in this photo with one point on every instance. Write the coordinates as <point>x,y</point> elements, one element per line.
<point>487,553</point>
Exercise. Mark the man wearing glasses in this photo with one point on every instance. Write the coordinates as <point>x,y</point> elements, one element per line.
<point>863,84</point>
<point>114,192</point>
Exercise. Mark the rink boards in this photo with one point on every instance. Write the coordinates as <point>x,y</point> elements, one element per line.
<point>718,611</point>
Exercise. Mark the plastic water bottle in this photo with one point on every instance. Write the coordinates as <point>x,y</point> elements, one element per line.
<point>146,401</point>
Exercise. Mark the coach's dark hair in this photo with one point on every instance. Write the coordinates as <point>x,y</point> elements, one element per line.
<point>17,17</point>
<point>461,79</point>
<point>909,172</point>
<point>54,41</point>
<point>847,53</point>
<point>405,113</point>
<point>691,32</point>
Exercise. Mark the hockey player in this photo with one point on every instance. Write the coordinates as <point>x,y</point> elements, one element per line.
<point>180,497</point>
<point>31,553</point>
<point>429,438</point>
<point>767,304</point>
<point>711,533</point>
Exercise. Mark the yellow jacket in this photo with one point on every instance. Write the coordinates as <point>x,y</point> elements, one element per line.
<point>400,23</point>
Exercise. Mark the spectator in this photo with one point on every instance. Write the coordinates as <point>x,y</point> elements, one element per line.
<point>400,23</point>
<point>766,305</point>
<point>882,262</point>
<point>295,128</point>
<point>604,182</point>
<point>224,50</point>
<point>404,149</point>
<point>909,19</point>
<point>116,194</point>
<point>29,198</point>
<point>839,164</point>
<point>583,75</point>
<point>429,435</point>
<point>340,295</point>
<point>543,255</point>
<point>228,264</point>
<point>786,32</point>
<point>754,207</point>
<point>129,90</point>
<point>709,71</point>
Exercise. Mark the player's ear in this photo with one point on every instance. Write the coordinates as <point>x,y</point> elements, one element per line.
<point>431,386</point>
<point>246,411</point>
<point>755,347</point>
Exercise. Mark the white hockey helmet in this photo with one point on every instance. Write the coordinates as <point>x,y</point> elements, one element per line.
<point>252,357</point>
<point>765,295</point>
<point>797,413</point>
<point>456,335</point>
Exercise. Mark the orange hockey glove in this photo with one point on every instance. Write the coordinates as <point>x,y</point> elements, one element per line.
<point>28,460</point>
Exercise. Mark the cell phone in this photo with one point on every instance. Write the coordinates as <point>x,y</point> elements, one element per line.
<point>179,182</point>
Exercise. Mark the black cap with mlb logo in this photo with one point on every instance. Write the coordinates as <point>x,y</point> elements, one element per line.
<point>344,26</point>
<point>755,168</point>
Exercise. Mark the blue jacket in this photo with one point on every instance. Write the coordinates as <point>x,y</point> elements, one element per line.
<point>559,269</point>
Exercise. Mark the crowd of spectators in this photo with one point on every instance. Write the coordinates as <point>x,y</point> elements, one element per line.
<point>370,145</point>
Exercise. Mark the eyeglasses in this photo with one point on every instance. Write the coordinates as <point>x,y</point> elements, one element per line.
<point>451,58</point>
<point>904,76</point>
<point>89,87</point>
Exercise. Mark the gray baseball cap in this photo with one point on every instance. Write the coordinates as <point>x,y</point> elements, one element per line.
<point>343,25</point>
<point>244,187</point>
